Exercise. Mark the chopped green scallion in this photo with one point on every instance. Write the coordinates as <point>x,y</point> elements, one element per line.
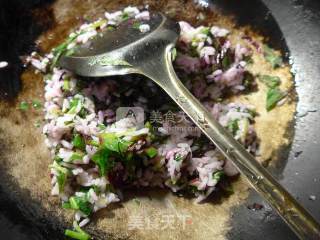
<point>66,84</point>
<point>24,106</point>
<point>36,104</point>
<point>218,175</point>
<point>76,156</point>
<point>178,157</point>
<point>151,152</point>
<point>233,126</point>
<point>79,142</point>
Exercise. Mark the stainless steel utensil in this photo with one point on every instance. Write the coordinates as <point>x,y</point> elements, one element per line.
<point>125,50</point>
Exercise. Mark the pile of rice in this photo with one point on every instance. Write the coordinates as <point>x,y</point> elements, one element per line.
<point>95,156</point>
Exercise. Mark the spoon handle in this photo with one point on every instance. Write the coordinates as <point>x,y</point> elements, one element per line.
<point>299,220</point>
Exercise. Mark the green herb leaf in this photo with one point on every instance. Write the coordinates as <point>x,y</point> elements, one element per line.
<point>74,105</point>
<point>274,95</point>
<point>101,158</point>
<point>66,205</point>
<point>36,104</point>
<point>114,143</point>
<point>73,203</point>
<point>178,157</point>
<point>76,156</point>
<point>79,142</point>
<point>61,49</point>
<point>61,176</point>
<point>271,56</point>
<point>55,165</point>
<point>93,143</point>
<point>270,81</point>
<point>24,106</point>
<point>85,206</point>
<point>205,30</point>
<point>233,126</point>
<point>61,179</point>
<point>151,152</point>
<point>101,126</point>
<point>218,175</point>
<point>125,16</point>
<point>81,204</point>
<point>66,84</point>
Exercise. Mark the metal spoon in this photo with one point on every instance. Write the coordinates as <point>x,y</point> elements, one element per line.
<point>125,50</point>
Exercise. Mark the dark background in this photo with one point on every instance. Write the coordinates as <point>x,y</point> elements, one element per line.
<point>298,33</point>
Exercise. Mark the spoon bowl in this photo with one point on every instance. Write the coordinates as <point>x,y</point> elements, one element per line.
<point>122,50</point>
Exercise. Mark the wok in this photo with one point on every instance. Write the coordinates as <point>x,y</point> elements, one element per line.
<point>291,26</point>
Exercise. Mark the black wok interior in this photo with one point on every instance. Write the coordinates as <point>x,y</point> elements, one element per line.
<point>274,19</point>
